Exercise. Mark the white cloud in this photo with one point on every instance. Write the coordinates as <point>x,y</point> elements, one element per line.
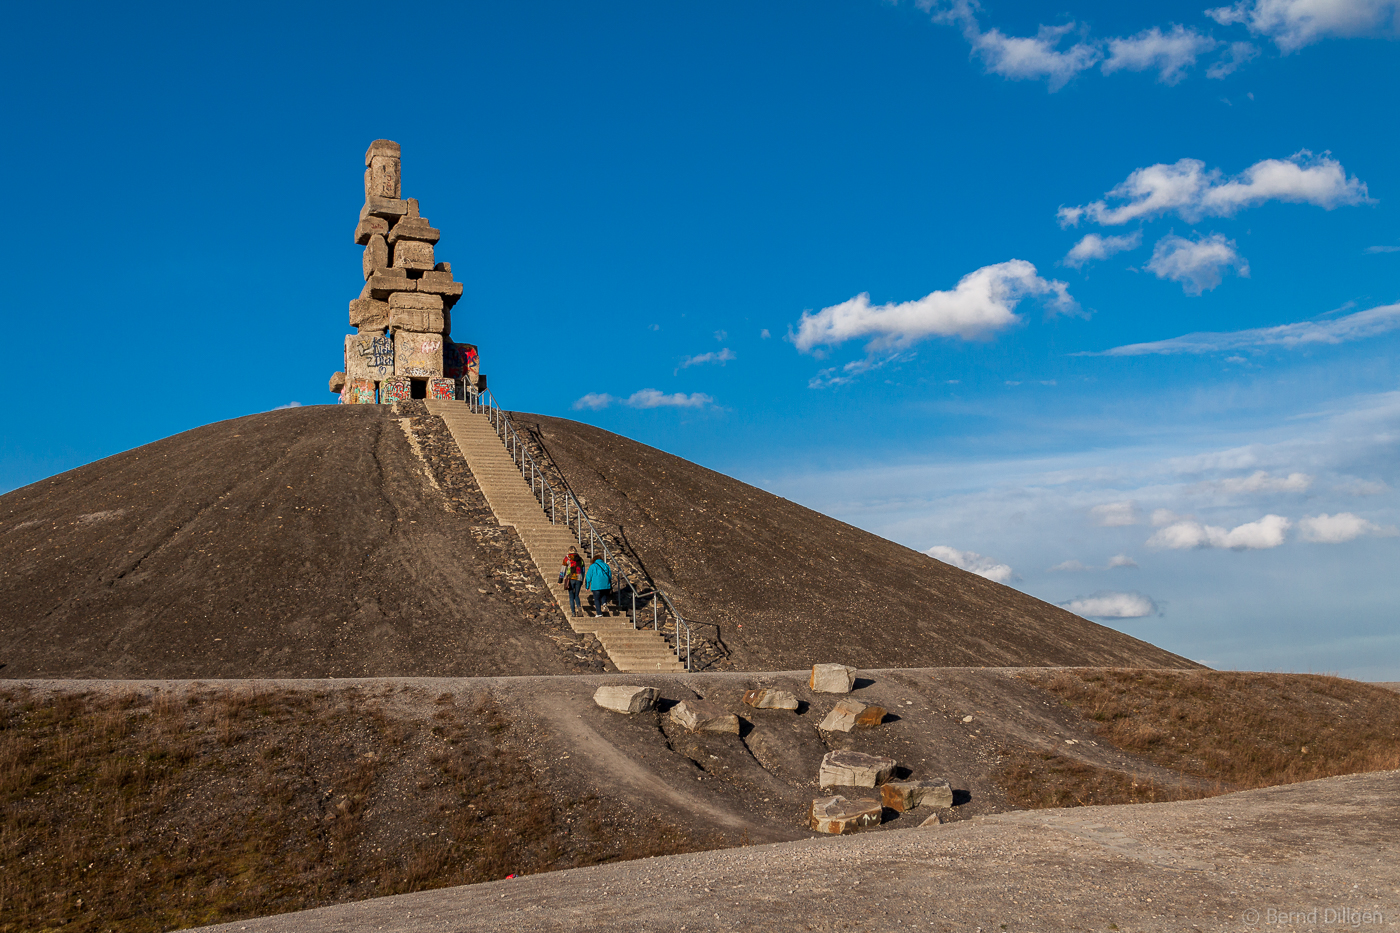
<point>1186,188</point>
<point>1074,566</point>
<point>1259,481</point>
<point>288,405</point>
<point>972,562</point>
<point>1236,56</point>
<point>653,398</point>
<point>1334,529</point>
<point>1197,264</point>
<point>1071,566</point>
<point>1094,247</point>
<point>1162,517</point>
<point>1362,324</point>
<point>721,334</point>
<point>764,334</point>
<point>1383,249</point>
<point>1018,57</point>
<point>1121,560</point>
<point>1293,24</point>
<point>1170,53</point>
<point>721,357</point>
<point>1115,514</point>
<point>980,305</point>
<point>1107,605</point>
<point>1267,532</point>
<point>594,401</point>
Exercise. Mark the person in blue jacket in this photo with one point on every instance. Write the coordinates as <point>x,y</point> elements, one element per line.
<point>599,582</point>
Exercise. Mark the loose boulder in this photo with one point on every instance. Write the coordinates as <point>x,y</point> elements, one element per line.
<point>854,769</point>
<point>626,699</point>
<point>832,678</point>
<point>704,716</point>
<point>906,795</point>
<point>765,698</point>
<point>851,714</point>
<point>838,816</point>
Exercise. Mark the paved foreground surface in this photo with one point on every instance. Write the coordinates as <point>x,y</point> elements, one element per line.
<point>1314,856</point>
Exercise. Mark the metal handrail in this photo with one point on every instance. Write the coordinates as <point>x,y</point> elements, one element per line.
<point>539,483</point>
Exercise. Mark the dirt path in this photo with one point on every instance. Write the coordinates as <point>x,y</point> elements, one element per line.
<point>1325,852</point>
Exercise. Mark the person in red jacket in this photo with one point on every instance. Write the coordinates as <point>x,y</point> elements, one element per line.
<point>571,576</point>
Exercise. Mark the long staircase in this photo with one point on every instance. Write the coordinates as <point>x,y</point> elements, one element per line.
<point>510,498</point>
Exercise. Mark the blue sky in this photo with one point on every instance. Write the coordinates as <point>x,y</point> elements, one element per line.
<point>1098,300</point>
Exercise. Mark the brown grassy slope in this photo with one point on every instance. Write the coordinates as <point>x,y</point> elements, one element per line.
<point>804,587</point>
<point>306,542</point>
<point>138,812</point>
<point>1237,730</point>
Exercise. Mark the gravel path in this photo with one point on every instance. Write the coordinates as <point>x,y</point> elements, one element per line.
<point>1317,855</point>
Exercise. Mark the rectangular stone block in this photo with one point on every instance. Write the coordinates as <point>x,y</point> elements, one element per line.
<point>388,281</point>
<point>442,389</point>
<point>414,228</point>
<point>358,392</point>
<point>415,300</point>
<point>337,383</point>
<point>369,356</point>
<point>412,254</point>
<point>382,177</point>
<point>383,147</point>
<point>460,361</point>
<point>443,267</point>
<point>395,389</point>
<point>368,227</point>
<point>391,209</point>
<point>421,320</point>
<point>440,283</point>
<point>908,795</point>
<point>367,313</point>
<point>376,255</point>
<point>417,354</point>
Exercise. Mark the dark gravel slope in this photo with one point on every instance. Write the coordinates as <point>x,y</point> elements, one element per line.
<point>788,586</point>
<point>302,543</point>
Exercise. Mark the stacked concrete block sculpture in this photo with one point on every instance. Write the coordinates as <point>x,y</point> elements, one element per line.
<point>402,347</point>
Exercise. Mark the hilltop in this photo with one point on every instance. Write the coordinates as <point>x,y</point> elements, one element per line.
<point>351,541</point>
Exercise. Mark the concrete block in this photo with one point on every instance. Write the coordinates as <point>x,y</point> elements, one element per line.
<point>906,795</point>
<point>414,228</point>
<point>337,384</point>
<point>443,267</point>
<point>416,301</point>
<point>417,354</point>
<point>765,698</point>
<point>368,313</point>
<point>376,255</point>
<point>369,356</point>
<point>440,283</point>
<point>839,816</point>
<point>368,227</point>
<point>383,147</point>
<point>421,320</point>
<point>395,389</point>
<point>851,714</point>
<point>388,281</point>
<point>854,769</point>
<point>358,392</point>
<point>444,390</point>
<point>412,207</point>
<point>832,678</point>
<point>382,177</point>
<point>412,254</point>
<point>391,209</point>
<point>704,716</point>
<point>624,699</point>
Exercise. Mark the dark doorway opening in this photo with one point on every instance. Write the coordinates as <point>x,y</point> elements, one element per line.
<point>419,389</point>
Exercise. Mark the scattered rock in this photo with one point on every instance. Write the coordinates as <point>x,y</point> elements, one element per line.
<point>851,714</point>
<point>765,698</point>
<point>838,816</point>
<point>933,820</point>
<point>832,678</point>
<point>967,719</point>
<point>626,699</point>
<point>704,716</point>
<point>906,795</point>
<point>854,769</point>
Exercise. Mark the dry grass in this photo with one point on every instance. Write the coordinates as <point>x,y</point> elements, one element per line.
<point>1239,730</point>
<point>145,813</point>
<point>1040,780</point>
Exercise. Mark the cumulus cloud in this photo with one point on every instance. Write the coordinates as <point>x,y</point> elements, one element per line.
<point>1268,532</point>
<point>981,304</point>
<point>1238,54</point>
<point>972,562</point>
<point>1169,53</point>
<point>1121,560</point>
<point>1187,189</point>
<point>646,398</point>
<point>287,405</point>
<point>721,357</point>
<point>1094,247</point>
<point>1259,481</point>
<point>1334,529</point>
<point>1293,24</point>
<point>1162,517</point>
<point>1115,514</point>
<point>1114,562</point>
<point>1019,58</point>
<point>1107,605</point>
<point>1358,326</point>
<point>1198,264</point>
